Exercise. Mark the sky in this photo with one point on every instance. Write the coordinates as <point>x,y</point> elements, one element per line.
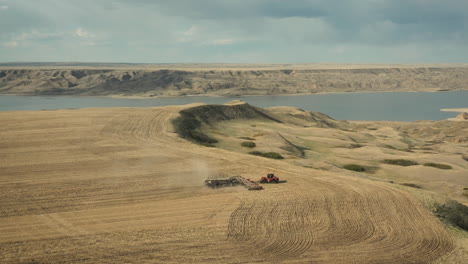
<point>234,31</point>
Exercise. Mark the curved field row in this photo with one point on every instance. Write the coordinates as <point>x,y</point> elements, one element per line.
<point>338,224</point>
<point>142,202</point>
<point>372,219</point>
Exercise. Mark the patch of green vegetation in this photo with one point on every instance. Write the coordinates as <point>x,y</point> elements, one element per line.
<point>191,121</point>
<point>271,155</point>
<point>207,145</point>
<point>438,166</point>
<point>399,149</point>
<point>355,167</point>
<point>400,162</point>
<point>187,127</point>
<point>412,185</point>
<point>453,213</point>
<point>248,144</point>
<point>247,138</point>
<point>424,148</point>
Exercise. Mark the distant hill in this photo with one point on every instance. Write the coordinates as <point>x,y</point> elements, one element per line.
<point>147,80</point>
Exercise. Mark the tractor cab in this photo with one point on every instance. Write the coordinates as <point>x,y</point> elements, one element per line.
<point>270,178</point>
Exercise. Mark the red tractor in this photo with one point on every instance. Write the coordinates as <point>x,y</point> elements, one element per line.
<point>270,178</point>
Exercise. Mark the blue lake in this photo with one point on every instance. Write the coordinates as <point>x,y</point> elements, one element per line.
<point>347,106</point>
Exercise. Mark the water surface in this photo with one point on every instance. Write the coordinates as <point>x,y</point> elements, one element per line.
<point>346,106</point>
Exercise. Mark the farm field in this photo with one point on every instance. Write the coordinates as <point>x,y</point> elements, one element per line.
<point>118,185</point>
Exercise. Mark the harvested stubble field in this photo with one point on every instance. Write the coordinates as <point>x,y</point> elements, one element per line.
<point>117,185</point>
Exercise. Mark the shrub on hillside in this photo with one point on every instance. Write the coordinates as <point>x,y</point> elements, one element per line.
<point>412,185</point>
<point>209,145</point>
<point>271,155</point>
<point>438,165</point>
<point>248,144</point>
<point>400,162</point>
<point>453,213</point>
<point>354,167</point>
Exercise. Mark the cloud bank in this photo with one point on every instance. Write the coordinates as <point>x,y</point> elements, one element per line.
<point>244,31</point>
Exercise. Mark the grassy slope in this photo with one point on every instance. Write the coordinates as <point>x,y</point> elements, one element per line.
<point>330,145</point>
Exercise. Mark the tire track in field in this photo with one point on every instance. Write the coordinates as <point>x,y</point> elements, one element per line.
<point>273,224</point>
<point>320,219</point>
<point>370,224</point>
<point>276,223</point>
<point>351,221</point>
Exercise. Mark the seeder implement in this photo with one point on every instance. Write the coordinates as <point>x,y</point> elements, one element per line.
<point>233,181</point>
<point>251,185</point>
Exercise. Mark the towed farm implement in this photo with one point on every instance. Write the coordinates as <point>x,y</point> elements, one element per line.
<point>233,181</point>
<point>239,180</point>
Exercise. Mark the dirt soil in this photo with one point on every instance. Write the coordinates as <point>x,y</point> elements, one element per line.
<point>118,185</point>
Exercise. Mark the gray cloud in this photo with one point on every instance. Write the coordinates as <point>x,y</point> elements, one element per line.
<point>404,19</point>
<point>235,31</point>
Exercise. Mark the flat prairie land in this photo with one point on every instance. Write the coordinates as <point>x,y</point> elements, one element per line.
<point>118,185</point>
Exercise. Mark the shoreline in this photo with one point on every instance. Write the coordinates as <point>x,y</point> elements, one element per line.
<point>239,96</point>
<point>55,102</point>
<point>458,110</point>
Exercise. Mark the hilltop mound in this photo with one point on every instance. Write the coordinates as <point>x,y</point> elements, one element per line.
<point>190,120</point>
<point>210,114</point>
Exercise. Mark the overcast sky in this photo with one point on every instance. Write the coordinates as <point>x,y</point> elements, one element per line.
<point>234,31</point>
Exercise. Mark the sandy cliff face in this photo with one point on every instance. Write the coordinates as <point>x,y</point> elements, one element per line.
<point>462,116</point>
<point>227,82</point>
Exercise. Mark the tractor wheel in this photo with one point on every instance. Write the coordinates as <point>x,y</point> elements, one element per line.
<point>275,181</point>
<point>262,181</point>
